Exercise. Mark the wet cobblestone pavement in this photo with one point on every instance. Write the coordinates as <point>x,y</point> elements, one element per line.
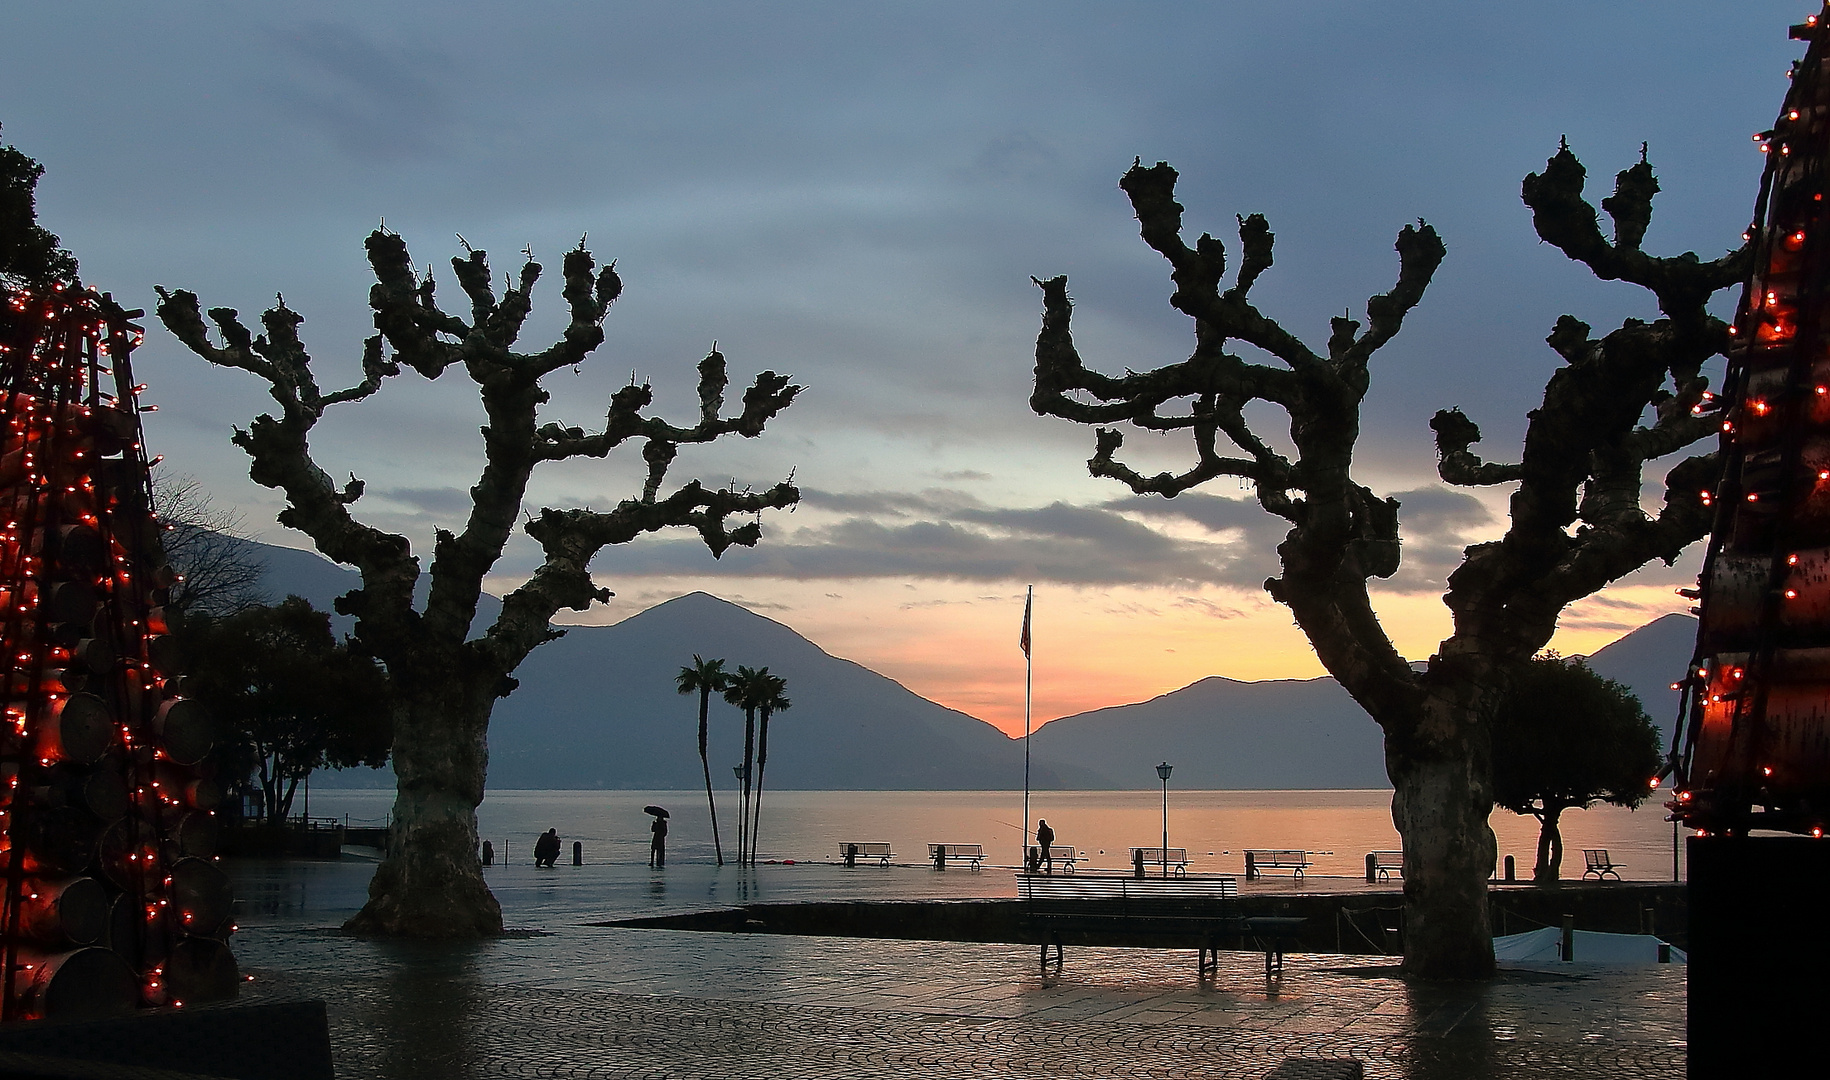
<point>569,1000</point>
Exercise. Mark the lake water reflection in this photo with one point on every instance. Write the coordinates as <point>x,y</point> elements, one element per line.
<point>1339,827</point>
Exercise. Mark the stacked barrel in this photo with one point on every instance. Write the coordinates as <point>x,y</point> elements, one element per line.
<point>1756,735</point>
<point>110,896</point>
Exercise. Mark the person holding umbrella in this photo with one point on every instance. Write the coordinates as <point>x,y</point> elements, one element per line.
<point>657,848</point>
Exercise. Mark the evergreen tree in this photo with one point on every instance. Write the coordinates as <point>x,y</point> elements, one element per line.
<point>1564,738</point>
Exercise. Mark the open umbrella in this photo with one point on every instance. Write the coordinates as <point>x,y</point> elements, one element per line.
<point>657,811</point>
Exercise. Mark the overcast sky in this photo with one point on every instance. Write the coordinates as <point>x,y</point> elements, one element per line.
<point>858,194</point>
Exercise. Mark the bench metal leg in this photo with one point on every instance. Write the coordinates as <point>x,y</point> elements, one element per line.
<point>1273,962</point>
<point>1207,965</point>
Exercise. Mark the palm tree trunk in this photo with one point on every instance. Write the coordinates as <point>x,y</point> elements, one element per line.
<point>705,762</point>
<point>762,760</point>
<point>748,843</point>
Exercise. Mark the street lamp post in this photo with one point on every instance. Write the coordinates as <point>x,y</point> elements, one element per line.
<point>1162,772</point>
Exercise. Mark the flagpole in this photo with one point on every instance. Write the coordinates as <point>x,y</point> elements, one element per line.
<point>1029,666</point>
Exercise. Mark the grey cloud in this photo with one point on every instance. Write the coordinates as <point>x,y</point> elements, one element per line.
<point>1208,607</point>
<point>1013,157</point>
<point>1597,624</point>
<point>444,501</point>
<point>1077,545</point>
<point>900,504</point>
<point>1214,512</point>
<point>942,534</point>
<point>1618,605</point>
<point>1432,523</point>
<point>373,101</point>
<point>1436,508</point>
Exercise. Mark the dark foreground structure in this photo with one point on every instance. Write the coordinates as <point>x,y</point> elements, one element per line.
<point>280,1041</point>
<point>1338,923</point>
<point>1757,953</point>
<point>1755,738</point>
<point>109,900</point>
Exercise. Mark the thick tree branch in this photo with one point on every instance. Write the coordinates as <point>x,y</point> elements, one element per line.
<point>1564,218</point>
<point>765,398</point>
<point>572,538</point>
<point>1458,465</point>
<point>412,330</point>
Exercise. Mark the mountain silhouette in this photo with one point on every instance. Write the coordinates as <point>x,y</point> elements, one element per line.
<point>1223,733</point>
<point>597,709</point>
<point>1647,661</point>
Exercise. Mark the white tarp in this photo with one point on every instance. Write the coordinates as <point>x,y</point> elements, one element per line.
<point>1546,947</point>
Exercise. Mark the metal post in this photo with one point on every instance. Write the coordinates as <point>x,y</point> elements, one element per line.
<point>1029,669</point>
<point>1163,771</point>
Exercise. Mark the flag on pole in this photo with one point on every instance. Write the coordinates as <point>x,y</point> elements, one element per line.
<point>1024,640</point>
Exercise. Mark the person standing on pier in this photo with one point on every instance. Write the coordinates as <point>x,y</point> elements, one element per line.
<point>657,848</point>
<point>1045,836</point>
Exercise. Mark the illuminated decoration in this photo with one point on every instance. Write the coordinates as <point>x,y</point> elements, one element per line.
<point>110,898</point>
<point>1754,751</point>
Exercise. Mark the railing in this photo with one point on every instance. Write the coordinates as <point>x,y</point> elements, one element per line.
<point>1091,886</point>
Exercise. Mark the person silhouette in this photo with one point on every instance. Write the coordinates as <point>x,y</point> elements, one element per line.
<point>1045,837</point>
<point>546,849</point>
<point>657,848</point>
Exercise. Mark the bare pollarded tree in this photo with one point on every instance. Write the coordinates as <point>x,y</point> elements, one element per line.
<point>446,682</point>
<point>1615,404</point>
<point>220,568</point>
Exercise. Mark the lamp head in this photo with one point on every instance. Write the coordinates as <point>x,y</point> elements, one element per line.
<point>1163,771</point>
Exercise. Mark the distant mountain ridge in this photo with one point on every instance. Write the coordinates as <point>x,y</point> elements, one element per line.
<point>598,709</point>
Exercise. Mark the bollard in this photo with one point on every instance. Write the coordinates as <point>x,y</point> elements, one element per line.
<point>940,856</point>
<point>1511,870</point>
<point>1664,952</point>
<point>1251,870</point>
<point>851,855</point>
<point>578,853</point>
<point>1569,937</point>
<point>1372,867</point>
<point>1137,862</point>
<point>489,853</point>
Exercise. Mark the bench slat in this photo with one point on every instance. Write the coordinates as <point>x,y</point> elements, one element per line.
<point>962,850</point>
<point>868,849</point>
<point>1176,855</point>
<point>1599,863</point>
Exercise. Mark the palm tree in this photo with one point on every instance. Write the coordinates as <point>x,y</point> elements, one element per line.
<point>769,699</point>
<point>743,691</point>
<point>707,677</point>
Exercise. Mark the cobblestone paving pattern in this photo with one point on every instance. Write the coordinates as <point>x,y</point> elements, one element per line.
<point>599,1002</point>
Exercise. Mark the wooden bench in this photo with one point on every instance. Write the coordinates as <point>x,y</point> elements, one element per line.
<point>1381,865</point>
<point>1186,912</point>
<point>853,850</point>
<point>1063,855</point>
<point>1258,861</point>
<point>1599,864</point>
<point>1170,858</point>
<point>938,854</point>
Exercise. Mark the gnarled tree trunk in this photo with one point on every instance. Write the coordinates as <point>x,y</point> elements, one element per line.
<point>1576,520</point>
<point>1440,805</point>
<point>1549,869</point>
<point>431,883</point>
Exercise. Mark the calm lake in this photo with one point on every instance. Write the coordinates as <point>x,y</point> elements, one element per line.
<point>1337,827</point>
